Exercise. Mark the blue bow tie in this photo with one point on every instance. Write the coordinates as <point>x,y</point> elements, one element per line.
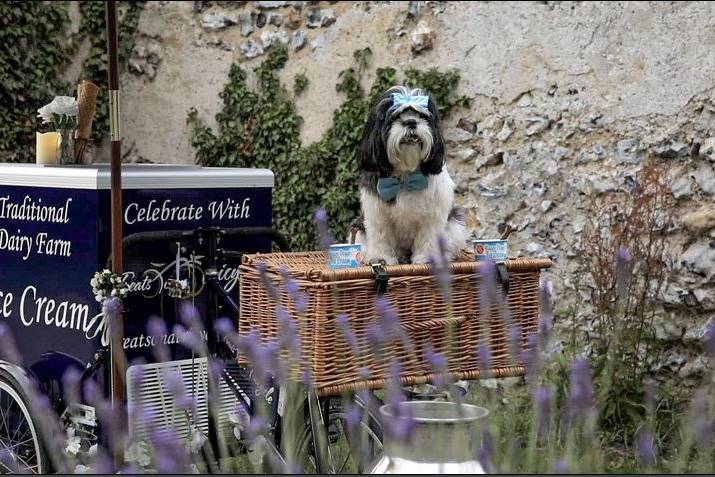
<point>388,187</point>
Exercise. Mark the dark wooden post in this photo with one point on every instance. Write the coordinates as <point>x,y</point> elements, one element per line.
<point>116,327</point>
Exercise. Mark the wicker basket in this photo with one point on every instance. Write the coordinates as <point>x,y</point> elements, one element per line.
<point>423,314</point>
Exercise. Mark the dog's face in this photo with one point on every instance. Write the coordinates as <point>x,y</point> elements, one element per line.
<point>402,135</point>
<point>409,140</point>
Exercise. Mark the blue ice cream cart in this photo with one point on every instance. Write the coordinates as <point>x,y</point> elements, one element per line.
<point>55,234</point>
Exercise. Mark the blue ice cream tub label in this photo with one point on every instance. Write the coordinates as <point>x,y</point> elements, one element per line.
<point>495,250</point>
<point>344,255</point>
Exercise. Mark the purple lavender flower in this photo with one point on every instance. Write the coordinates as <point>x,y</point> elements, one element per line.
<point>224,326</point>
<point>394,385</point>
<point>250,345</point>
<point>170,456</point>
<point>287,331</point>
<point>487,271</point>
<point>389,322</point>
<point>156,327</point>
<point>266,280</point>
<point>364,373</point>
<point>10,462</point>
<point>484,357</point>
<point>112,307</point>
<point>375,336</point>
<point>704,429</point>
<point>347,333</point>
<point>561,466</point>
<point>515,339</point>
<point>436,360</point>
<point>580,400</point>
<point>256,426</point>
<point>388,315</point>
<point>546,293</point>
<point>645,449</point>
<point>353,417</point>
<point>543,397</point>
<point>401,422</point>
<point>299,298</point>
<point>189,315</point>
<point>92,393</point>
<point>307,377</point>
<point>189,338</point>
<point>709,340</point>
<point>486,451</point>
<point>102,464</point>
<point>623,271</point>
<point>70,385</point>
<point>546,317</point>
<point>439,265</point>
<point>216,367</point>
<point>325,238</point>
<point>174,382</point>
<point>703,423</point>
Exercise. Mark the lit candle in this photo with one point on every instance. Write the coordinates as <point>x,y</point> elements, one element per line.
<point>47,146</point>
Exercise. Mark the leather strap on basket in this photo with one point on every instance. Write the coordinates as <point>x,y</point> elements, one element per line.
<point>381,277</point>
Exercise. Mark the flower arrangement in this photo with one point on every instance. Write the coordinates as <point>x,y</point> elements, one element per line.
<point>62,111</point>
<point>106,284</point>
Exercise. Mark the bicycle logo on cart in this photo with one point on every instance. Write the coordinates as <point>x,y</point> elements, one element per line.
<point>155,280</point>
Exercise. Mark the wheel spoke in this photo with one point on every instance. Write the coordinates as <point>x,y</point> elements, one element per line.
<point>18,438</point>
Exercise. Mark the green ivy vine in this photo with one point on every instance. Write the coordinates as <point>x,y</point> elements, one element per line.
<point>260,127</point>
<point>31,66</point>
<point>36,50</point>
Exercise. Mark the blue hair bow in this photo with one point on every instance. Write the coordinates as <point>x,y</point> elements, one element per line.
<point>399,100</point>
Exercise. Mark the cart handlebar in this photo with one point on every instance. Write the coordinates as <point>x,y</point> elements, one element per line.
<point>235,232</point>
<point>182,235</point>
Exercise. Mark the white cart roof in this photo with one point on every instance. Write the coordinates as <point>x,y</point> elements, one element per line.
<point>134,176</point>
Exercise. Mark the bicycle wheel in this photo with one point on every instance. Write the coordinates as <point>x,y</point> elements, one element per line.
<point>350,450</point>
<point>21,449</point>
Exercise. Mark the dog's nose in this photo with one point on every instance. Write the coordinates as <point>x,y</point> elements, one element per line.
<point>410,123</point>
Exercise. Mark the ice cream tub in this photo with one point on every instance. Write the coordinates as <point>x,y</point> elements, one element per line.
<point>495,250</point>
<point>344,255</point>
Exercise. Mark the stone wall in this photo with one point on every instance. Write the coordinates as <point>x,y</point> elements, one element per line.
<point>569,100</point>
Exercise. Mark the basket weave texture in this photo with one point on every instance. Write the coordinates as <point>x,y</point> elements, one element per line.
<point>423,315</point>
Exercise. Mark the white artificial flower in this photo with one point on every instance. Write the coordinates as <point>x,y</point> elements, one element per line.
<point>196,440</point>
<point>74,443</point>
<point>46,115</point>
<point>83,469</point>
<point>93,282</point>
<point>64,105</point>
<point>138,453</point>
<point>256,450</point>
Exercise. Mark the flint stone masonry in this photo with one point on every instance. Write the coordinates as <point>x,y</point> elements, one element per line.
<point>569,101</point>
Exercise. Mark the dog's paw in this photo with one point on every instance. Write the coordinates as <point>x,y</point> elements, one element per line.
<point>388,261</point>
<point>420,259</point>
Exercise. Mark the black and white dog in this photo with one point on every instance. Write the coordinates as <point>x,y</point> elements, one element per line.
<point>406,194</point>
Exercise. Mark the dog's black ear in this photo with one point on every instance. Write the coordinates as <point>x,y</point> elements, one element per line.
<point>435,161</point>
<point>373,154</point>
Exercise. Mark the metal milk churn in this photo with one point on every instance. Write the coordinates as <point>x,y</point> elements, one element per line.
<point>444,439</point>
